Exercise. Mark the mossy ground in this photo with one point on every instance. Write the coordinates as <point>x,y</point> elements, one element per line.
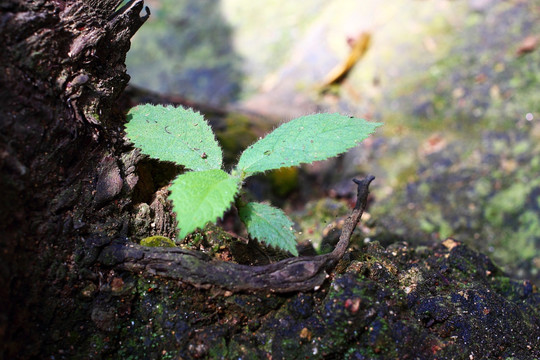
<point>471,174</point>
<point>449,302</point>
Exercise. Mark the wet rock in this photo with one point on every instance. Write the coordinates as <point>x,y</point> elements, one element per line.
<point>443,302</point>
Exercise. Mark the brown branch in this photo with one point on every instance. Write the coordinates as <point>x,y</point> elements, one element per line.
<point>293,274</point>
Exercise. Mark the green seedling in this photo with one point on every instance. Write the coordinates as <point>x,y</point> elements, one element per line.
<point>204,194</point>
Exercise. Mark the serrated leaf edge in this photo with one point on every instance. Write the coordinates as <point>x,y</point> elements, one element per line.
<point>246,172</point>
<point>201,153</point>
<point>227,207</point>
<point>292,249</point>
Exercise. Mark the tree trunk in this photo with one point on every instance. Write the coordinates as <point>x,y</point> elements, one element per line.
<point>73,286</point>
<point>62,71</point>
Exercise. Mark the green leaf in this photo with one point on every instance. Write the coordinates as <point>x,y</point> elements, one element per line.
<point>305,140</point>
<point>174,134</point>
<point>270,225</point>
<point>201,197</point>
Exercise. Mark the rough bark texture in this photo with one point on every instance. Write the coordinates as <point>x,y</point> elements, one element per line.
<point>61,71</point>
<point>73,192</point>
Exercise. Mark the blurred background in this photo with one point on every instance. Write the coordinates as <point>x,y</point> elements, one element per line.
<point>457,84</point>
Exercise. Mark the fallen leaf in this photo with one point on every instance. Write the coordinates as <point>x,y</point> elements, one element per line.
<point>527,45</point>
<point>359,47</point>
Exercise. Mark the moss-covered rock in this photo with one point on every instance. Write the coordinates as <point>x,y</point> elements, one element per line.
<point>157,240</point>
<point>443,302</point>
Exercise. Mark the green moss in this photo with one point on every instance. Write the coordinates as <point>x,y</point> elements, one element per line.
<point>503,284</point>
<point>507,202</point>
<point>483,187</point>
<point>427,225</point>
<point>524,240</point>
<point>433,221</point>
<point>521,147</point>
<point>97,342</point>
<point>156,241</point>
<point>219,351</point>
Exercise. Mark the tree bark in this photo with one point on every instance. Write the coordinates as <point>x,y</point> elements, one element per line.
<point>61,73</point>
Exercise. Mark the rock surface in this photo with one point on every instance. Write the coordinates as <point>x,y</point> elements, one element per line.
<point>447,302</point>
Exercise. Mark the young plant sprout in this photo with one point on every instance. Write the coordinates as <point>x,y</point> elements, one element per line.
<point>203,195</point>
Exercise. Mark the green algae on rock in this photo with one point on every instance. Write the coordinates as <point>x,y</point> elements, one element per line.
<point>441,302</point>
<point>157,240</point>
